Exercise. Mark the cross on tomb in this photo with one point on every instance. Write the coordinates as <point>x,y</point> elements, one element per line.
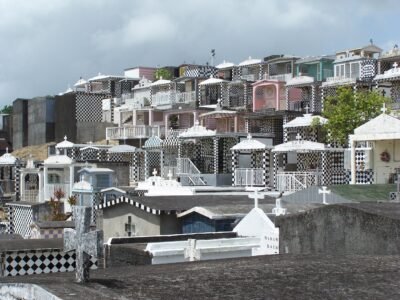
<point>169,175</point>
<point>298,137</point>
<point>86,243</point>
<point>129,227</point>
<point>324,192</point>
<point>384,109</point>
<point>256,196</point>
<point>191,252</point>
<point>278,209</point>
<point>395,65</point>
<point>307,109</point>
<point>154,172</point>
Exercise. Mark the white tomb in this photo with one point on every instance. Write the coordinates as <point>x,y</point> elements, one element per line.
<point>159,186</point>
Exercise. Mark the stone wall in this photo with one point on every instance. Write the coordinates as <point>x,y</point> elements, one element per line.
<point>340,229</point>
<point>40,120</point>
<point>20,123</point>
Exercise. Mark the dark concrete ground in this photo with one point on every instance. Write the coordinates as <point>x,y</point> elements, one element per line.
<point>263,277</point>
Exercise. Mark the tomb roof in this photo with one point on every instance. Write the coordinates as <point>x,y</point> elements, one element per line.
<point>265,277</point>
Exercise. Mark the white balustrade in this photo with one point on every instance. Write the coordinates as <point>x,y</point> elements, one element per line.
<point>185,97</point>
<point>132,132</point>
<point>249,177</point>
<point>280,77</point>
<point>249,77</point>
<point>30,196</point>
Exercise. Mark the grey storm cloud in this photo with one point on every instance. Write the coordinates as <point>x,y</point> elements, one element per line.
<point>47,44</point>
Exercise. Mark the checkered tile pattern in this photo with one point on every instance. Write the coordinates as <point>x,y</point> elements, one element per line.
<point>239,94</point>
<point>56,233</point>
<point>215,155</point>
<point>17,180</point>
<point>89,154</point>
<point>235,163</point>
<point>152,162</point>
<point>228,143</point>
<point>276,166</point>
<point>265,166</point>
<point>393,196</point>
<point>89,107</point>
<point>40,261</point>
<point>369,74</point>
<point>21,218</point>
<point>306,161</point>
<point>200,71</point>
<point>171,140</point>
<point>362,177</point>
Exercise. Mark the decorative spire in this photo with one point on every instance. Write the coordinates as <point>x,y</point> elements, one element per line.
<point>249,136</point>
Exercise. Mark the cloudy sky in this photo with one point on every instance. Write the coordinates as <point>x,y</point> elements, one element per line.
<point>48,44</point>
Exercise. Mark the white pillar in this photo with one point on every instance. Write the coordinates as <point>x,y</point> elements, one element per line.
<point>40,195</point>
<point>21,184</point>
<point>352,161</point>
<point>194,117</point>
<point>150,117</point>
<point>235,122</point>
<point>45,184</point>
<point>71,179</point>
<point>134,117</point>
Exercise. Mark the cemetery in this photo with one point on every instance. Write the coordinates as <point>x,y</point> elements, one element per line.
<point>233,177</point>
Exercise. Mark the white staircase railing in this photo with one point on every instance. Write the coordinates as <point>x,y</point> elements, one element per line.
<point>296,181</point>
<point>188,172</point>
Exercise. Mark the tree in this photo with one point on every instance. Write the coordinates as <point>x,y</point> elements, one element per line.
<point>7,109</point>
<point>348,110</point>
<point>162,73</point>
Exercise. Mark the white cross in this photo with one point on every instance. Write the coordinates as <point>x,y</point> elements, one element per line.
<point>256,196</point>
<point>249,136</point>
<point>324,192</point>
<point>395,65</point>
<point>169,175</point>
<point>298,137</point>
<point>384,109</point>
<point>278,210</point>
<point>307,108</point>
<point>86,243</point>
<point>154,172</point>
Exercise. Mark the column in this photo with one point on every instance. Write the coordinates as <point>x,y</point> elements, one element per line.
<point>166,116</point>
<point>21,191</point>
<point>194,117</point>
<point>325,176</point>
<point>150,117</point>
<point>45,184</point>
<point>40,182</point>
<point>234,165</point>
<point>235,123</point>
<point>71,179</point>
<point>287,98</point>
<point>275,169</point>
<point>313,98</point>
<point>265,167</point>
<point>146,165</point>
<point>134,116</point>
<point>163,172</point>
<point>278,96</point>
<point>352,161</point>
<point>216,162</point>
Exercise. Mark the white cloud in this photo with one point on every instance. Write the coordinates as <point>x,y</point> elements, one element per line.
<point>137,31</point>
